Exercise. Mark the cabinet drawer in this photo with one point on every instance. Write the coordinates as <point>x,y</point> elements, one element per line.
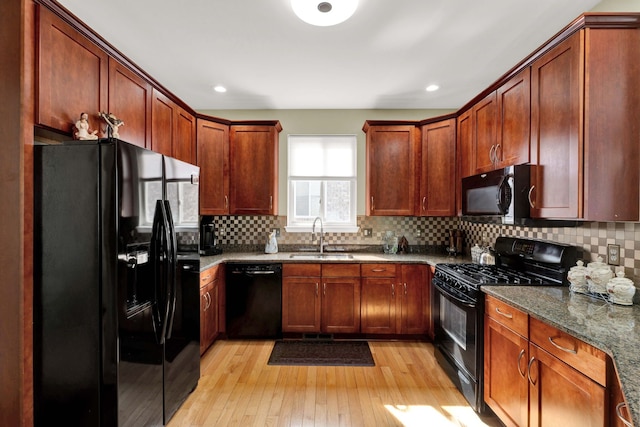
<point>340,270</point>
<point>209,275</point>
<point>301,270</point>
<point>378,270</point>
<point>574,352</point>
<point>508,316</point>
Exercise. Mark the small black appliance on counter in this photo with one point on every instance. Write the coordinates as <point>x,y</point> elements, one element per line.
<point>208,238</point>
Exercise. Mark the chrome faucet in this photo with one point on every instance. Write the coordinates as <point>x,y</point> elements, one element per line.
<point>313,230</point>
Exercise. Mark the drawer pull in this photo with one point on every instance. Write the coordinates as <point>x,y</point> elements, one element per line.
<point>519,359</point>
<point>568,350</point>
<point>502,313</point>
<point>619,407</point>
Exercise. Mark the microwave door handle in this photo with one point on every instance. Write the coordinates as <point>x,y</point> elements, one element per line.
<point>502,196</point>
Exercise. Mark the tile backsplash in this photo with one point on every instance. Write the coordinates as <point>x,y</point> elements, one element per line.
<point>591,238</point>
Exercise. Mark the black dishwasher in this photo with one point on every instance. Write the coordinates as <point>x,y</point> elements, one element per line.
<point>254,301</point>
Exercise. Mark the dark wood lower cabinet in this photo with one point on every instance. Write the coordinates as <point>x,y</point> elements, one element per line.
<point>301,301</point>
<point>211,306</point>
<point>561,396</point>
<point>313,302</point>
<point>335,298</point>
<point>546,378</point>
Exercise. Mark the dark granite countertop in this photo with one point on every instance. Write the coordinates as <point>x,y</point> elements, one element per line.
<point>285,257</point>
<point>614,329</point>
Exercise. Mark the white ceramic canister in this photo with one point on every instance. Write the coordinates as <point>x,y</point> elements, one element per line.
<point>621,289</point>
<point>577,277</point>
<point>598,275</point>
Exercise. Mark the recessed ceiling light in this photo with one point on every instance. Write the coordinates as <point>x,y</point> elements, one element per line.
<point>324,13</point>
<point>432,88</point>
<point>220,89</point>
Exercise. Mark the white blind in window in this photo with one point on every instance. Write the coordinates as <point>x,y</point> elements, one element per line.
<point>322,156</point>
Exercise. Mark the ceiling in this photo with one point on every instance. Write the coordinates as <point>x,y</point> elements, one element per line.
<point>382,58</point>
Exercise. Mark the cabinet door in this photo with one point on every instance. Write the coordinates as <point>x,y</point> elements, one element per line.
<point>183,144</point>
<point>208,315</point>
<point>612,125</point>
<point>162,123</point>
<point>466,148</point>
<point>378,310</point>
<point>506,388</point>
<point>253,154</point>
<point>72,75</point>
<point>415,298</point>
<point>438,169</point>
<point>130,99</point>
<point>485,121</point>
<point>301,304</point>
<point>556,131</point>
<point>514,112</point>
<point>340,305</point>
<point>561,396</point>
<point>391,170</point>
<point>213,159</point>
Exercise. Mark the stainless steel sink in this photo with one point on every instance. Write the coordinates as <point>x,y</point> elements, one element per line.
<point>316,255</point>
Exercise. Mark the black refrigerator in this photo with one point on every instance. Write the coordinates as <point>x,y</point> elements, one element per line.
<point>116,284</point>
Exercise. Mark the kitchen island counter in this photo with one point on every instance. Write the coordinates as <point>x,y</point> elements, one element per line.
<point>614,329</point>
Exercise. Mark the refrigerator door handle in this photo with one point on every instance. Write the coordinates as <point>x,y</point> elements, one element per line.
<point>159,241</point>
<point>173,270</point>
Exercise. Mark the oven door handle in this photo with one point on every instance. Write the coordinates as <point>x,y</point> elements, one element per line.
<point>464,302</point>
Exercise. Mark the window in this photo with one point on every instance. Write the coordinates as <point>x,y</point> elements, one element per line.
<point>322,182</point>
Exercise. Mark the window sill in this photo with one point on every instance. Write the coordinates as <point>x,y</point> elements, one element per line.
<point>326,229</point>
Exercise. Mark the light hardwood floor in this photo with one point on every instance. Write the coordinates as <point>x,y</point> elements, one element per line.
<point>405,388</point>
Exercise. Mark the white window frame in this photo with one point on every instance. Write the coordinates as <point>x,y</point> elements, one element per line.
<point>306,226</point>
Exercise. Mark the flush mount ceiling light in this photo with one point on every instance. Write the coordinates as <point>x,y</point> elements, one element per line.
<point>324,13</point>
<point>432,88</point>
<point>220,89</point>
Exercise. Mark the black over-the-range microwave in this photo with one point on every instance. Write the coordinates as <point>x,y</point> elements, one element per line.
<point>500,194</point>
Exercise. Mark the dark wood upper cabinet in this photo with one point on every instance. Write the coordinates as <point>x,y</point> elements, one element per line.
<point>184,138</point>
<point>556,123</point>
<point>391,169</point>
<point>466,149</point>
<point>72,75</point>
<point>130,100</point>
<point>213,159</point>
<point>438,169</point>
<point>612,125</point>
<point>253,153</point>
<point>485,125</point>
<point>173,129</point>
<point>162,123</point>
<point>585,127</point>
<point>514,120</point>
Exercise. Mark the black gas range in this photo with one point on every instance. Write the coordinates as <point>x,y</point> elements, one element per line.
<point>458,304</point>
